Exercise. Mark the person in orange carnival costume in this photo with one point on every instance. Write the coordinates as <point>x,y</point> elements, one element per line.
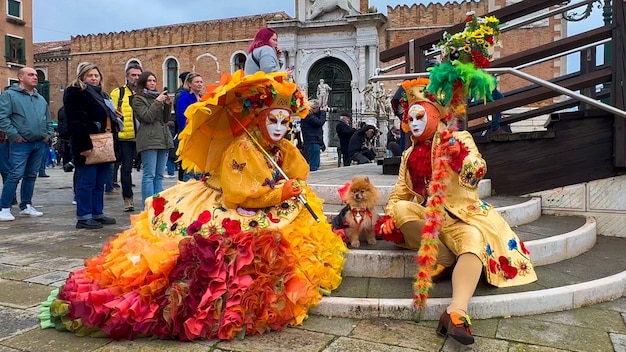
<point>231,255</point>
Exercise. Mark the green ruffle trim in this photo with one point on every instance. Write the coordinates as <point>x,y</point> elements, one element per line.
<point>477,83</point>
<point>54,313</point>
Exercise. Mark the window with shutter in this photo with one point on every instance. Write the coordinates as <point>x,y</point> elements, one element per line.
<point>14,8</point>
<point>15,50</point>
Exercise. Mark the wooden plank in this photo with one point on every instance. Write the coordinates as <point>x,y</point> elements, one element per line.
<point>524,166</point>
<point>505,14</point>
<point>539,94</point>
<point>554,48</point>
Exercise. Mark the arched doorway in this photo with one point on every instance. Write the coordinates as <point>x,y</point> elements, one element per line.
<point>337,75</point>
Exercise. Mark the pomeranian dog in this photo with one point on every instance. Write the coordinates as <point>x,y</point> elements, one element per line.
<point>358,217</point>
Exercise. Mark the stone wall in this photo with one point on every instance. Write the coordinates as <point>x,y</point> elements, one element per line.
<point>409,22</point>
<point>603,199</point>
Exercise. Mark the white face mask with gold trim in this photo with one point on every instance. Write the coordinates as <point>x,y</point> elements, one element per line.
<point>417,119</point>
<point>277,123</point>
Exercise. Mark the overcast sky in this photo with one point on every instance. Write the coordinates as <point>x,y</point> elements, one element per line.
<point>60,19</point>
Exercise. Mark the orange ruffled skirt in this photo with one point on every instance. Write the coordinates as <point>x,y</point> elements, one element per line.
<point>188,268</point>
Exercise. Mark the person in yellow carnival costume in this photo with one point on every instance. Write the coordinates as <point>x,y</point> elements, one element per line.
<point>434,206</point>
<point>231,255</point>
<point>472,234</point>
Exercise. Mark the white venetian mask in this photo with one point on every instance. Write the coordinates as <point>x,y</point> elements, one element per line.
<point>277,123</point>
<point>417,120</point>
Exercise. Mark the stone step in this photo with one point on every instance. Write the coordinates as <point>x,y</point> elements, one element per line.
<point>328,190</point>
<point>515,210</point>
<point>596,276</point>
<point>550,239</point>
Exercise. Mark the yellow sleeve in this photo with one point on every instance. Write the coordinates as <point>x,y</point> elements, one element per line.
<point>294,164</point>
<point>474,167</point>
<point>115,96</point>
<point>246,177</point>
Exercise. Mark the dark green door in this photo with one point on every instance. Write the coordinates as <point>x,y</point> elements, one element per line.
<point>337,75</point>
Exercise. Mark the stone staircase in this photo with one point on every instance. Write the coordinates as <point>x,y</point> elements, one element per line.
<point>575,265</point>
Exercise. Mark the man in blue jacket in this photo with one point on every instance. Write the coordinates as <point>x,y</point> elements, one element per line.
<point>313,134</point>
<point>25,118</point>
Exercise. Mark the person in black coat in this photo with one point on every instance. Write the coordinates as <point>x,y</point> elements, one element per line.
<point>87,108</point>
<point>344,133</point>
<point>361,148</point>
<point>312,134</point>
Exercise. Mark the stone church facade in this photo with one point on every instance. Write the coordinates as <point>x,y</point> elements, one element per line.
<point>335,40</point>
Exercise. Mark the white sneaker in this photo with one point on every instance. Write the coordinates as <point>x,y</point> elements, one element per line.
<point>5,215</point>
<point>169,176</point>
<point>30,211</point>
<point>74,202</point>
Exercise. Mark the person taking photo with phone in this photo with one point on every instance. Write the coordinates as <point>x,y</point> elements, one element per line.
<point>152,109</point>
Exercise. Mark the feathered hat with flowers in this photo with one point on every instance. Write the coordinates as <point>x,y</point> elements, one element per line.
<point>458,78</point>
<point>227,109</point>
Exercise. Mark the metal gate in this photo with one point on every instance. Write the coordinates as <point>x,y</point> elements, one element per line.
<point>337,75</point>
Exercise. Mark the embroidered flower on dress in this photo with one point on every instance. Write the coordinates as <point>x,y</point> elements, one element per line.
<point>158,204</point>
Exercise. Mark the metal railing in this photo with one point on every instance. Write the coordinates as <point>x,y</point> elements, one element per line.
<point>525,76</point>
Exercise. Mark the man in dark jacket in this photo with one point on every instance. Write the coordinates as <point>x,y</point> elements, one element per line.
<point>344,133</point>
<point>25,118</point>
<point>361,148</point>
<point>313,135</point>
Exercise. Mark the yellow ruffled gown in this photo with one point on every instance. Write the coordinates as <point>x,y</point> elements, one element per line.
<point>222,257</point>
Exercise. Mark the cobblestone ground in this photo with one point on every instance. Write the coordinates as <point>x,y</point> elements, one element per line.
<point>36,255</point>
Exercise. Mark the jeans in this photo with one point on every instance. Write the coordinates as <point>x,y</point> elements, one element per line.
<point>108,184</point>
<point>4,161</point>
<point>313,156</point>
<point>90,180</point>
<point>127,155</point>
<point>362,157</point>
<point>153,165</point>
<point>170,166</point>
<point>44,159</point>
<point>24,163</point>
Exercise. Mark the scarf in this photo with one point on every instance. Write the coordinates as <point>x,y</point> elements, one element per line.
<point>151,93</point>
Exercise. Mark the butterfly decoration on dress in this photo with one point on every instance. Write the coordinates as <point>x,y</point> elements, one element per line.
<point>238,166</point>
<point>270,183</point>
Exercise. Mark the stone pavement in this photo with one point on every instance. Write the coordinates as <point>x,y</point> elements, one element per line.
<point>36,254</point>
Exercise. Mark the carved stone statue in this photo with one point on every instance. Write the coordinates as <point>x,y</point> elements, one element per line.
<point>323,90</point>
<point>369,100</point>
<point>320,7</point>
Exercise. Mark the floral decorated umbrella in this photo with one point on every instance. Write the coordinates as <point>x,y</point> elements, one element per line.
<point>223,114</point>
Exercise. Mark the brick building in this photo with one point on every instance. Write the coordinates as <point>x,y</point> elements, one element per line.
<point>340,45</point>
<point>17,30</point>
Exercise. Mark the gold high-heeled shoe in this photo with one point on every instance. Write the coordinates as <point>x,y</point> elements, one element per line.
<point>456,326</point>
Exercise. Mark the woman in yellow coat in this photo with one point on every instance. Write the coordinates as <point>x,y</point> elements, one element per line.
<point>231,255</point>
<point>473,234</point>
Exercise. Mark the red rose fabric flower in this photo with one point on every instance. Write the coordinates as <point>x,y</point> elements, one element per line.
<point>158,204</point>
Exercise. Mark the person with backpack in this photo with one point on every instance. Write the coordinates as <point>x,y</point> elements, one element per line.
<point>263,53</point>
<point>121,98</point>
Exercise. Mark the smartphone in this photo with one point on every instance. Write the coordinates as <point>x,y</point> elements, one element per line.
<point>165,89</point>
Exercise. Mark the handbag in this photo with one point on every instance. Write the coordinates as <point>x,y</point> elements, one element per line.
<point>103,147</point>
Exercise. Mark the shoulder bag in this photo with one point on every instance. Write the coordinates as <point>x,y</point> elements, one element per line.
<point>103,149</point>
